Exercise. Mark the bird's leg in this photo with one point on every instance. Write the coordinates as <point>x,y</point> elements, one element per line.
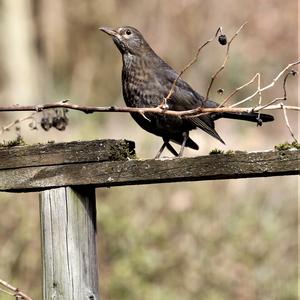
<point>161,150</point>
<point>169,146</point>
<point>171,149</point>
<point>185,137</point>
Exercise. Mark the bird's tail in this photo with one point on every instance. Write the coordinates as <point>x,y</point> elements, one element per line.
<point>245,116</point>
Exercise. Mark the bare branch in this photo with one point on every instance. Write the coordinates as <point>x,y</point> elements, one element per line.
<point>7,292</point>
<point>287,122</point>
<point>292,72</point>
<point>259,99</point>
<point>267,86</point>
<point>190,63</point>
<point>238,89</point>
<point>161,110</point>
<point>12,124</point>
<point>143,110</point>
<point>16,292</point>
<point>224,62</point>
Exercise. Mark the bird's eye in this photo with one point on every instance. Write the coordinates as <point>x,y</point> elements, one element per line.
<point>128,32</point>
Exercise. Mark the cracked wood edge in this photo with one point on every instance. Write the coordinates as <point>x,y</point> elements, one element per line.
<point>115,173</point>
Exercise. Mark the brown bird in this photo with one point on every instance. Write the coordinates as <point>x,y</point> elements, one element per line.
<point>147,80</point>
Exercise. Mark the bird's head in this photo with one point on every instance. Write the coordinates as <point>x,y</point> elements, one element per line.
<point>128,39</point>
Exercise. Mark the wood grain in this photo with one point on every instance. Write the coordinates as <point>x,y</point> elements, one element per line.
<point>88,169</point>
<point>65,153</point>
<point>69,252</point>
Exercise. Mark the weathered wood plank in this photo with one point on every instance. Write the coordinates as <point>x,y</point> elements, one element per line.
<point>64,153</point>
<point>69,252</point>
<point>115,173</point>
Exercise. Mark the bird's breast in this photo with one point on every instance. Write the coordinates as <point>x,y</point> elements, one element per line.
<point>139,85</point>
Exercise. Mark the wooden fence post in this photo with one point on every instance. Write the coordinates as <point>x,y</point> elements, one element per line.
<point>69,252</point>
<point>68,214</point>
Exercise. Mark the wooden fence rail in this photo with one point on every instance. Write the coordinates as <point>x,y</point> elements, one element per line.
<point>105,163</point>
<point>66,174</point>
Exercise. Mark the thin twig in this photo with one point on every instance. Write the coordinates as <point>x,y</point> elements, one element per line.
<point>190,63</point>
<point>224,62</point>
<point>17,292</point>
<point>267,86</point>
<point>238,89</point>
<point>7,292</point>
<point>271,103</point>
<point>10,125</point>
<point>287,122</point>
<point>292,72</point>
<point>259,97</point>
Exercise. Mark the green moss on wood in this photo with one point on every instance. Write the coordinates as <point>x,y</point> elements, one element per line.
<point>230,152</point>
<point>287,146</point>
<point>16,142</point>
<point>216,151</point>
<point>123,151</point>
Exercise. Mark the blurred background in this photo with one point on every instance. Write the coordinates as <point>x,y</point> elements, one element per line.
<point>233,239</point>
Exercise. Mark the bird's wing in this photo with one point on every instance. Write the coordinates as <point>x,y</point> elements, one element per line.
<point>185,98</point>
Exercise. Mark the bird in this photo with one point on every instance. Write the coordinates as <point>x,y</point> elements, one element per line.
<point>147,79</point>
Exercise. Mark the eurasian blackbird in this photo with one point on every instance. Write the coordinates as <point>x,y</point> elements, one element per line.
<point>147,80</point>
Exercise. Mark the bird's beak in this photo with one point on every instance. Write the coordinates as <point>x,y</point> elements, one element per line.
<point>109,31</point>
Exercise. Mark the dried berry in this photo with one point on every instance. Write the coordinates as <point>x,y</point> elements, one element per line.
<point>59,123</point>
<point>45,123</point>
<point>222,39</point>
